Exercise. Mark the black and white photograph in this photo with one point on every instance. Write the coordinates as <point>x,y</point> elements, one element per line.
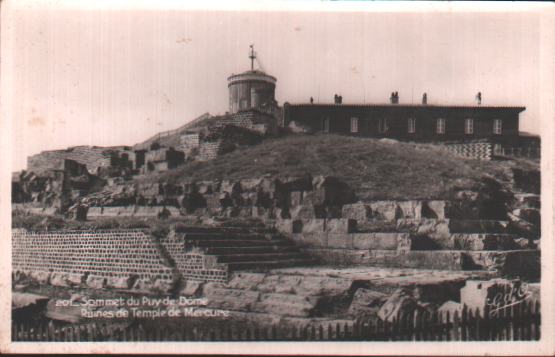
<point>227,177</point>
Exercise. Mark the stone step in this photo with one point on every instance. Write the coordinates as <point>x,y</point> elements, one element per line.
<point>468,241</point>
<point>256,265</point>
<point>261,257</point>
<point>523,263</point>
<point>225,235</point>
<point>223,229</point>
<point>250,249</point>
<point>238,243</point>
<point>446,226</point>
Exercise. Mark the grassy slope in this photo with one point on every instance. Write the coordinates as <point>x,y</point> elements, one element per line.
<point>377,169</point>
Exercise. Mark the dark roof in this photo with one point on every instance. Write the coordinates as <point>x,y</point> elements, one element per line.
<point>387,105</point>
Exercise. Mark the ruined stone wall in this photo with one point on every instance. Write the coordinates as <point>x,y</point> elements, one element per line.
<point>208,150</point>
<point>194,264</point>
<point>105,254</point>
<point>252,120</point>
<point>188,142</point>
<point>92,157</point>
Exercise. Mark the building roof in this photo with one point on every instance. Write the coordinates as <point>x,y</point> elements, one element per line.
<point>252,75</point>
<point>408,106</point>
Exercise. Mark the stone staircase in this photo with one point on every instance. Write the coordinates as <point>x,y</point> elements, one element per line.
<point>232,249</point>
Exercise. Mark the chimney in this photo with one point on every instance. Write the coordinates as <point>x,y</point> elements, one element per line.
<point>424,98</point>
<point>394,99</point>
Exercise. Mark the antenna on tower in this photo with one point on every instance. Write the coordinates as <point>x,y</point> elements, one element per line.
<point>252,56</point>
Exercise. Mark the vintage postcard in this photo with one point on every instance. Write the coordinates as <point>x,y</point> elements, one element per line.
<point>277,177</point>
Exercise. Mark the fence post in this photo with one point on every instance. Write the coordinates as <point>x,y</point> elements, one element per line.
<point>536,320</point>
<point>455,327</point>
<point>274,332</point>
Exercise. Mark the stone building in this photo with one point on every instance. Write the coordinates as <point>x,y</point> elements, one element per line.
<point>163,159</point>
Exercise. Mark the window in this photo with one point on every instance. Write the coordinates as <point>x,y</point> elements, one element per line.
<point>412,125</point>
<point>497,126</point>
<point>440,126</point>
<point>469,126</point>
<point>354,125</point>
<point>382,125</point>
<point>326,125</point>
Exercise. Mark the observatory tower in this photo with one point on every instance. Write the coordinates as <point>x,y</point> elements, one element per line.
<point>252,89</point>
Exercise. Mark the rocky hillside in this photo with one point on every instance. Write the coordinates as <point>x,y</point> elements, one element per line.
<point>375,169</point>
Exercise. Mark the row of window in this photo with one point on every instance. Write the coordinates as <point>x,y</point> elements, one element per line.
<point>440,126</point>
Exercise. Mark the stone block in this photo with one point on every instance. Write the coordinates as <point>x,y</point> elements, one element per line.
<point>322,285</point>
<point>361,212</point>
<point>366,302</point>
<point>191,288</point>
<point>163,285</point>
<point>400,303</point>
<point>340,240</point>
<point>246,281</point>
<point>319,240</point>
<point>332,256</point>
<point>340,225</point>
<point>76,279</point>
<point>442,260</point>
<point>481,241</point>
<point>478,226</point>
<point>433,209</point>
<point>284,226</point>
<point>41,277</point>
<point>437,228</point>
<point>143,285</point>
<point>285,304</point>
<point>119,282</point>
<point>409,209</point>
<point>96,282</point>
<point>306,212</point>
<point>380,241</point>
<point>296,198</point>
<point>313,225</point>
<point>230,299</point>
<point>384,210</point>
<point>59,279</point>
<point>23,300</point>
<point>512,263</point>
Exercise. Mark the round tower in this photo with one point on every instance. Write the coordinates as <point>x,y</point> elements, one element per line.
<point>252,89</point>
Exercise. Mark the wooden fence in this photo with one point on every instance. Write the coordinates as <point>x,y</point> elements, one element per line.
<point>515,323</point>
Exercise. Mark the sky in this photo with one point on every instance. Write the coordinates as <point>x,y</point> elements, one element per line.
<point>105,76</point>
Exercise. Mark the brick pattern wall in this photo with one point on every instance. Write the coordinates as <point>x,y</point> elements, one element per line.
<point>208,150</point>
<point>188,142</point>
<point>92,157</point>
<point>193,264</point>
<point>107,253</point>
<point>472,150</point>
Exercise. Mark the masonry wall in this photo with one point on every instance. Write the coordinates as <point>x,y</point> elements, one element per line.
<point>193,264</point>
<point>208,150</point>
<point>92,157</point>
<point>105,253</point>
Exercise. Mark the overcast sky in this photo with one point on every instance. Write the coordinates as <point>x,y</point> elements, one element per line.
<point>106,77</point>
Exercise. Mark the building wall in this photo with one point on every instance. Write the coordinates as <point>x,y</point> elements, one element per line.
<point>311,118</point>
<point>250,90</point>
